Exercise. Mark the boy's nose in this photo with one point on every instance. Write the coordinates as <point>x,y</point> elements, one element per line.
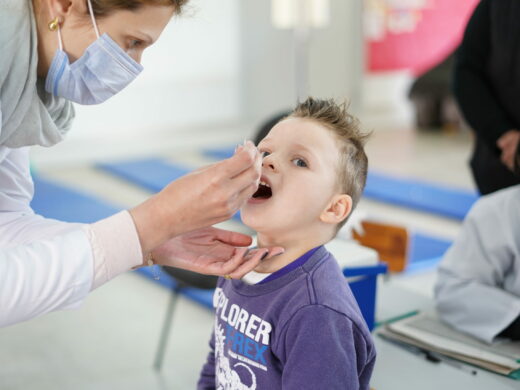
<point>268,164</point>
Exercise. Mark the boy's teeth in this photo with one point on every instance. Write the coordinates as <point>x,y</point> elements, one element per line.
<point>265,184</point>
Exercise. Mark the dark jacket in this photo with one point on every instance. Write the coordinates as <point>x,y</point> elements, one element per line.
<point>487,86</point>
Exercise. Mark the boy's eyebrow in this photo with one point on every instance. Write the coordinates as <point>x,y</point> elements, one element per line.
<point>305,148</point>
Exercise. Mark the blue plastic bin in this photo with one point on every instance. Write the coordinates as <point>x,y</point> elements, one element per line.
<point>364,289</point>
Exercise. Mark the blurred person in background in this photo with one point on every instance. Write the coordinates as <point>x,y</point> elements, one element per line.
<point>487,89</point>
<point>478,281</point>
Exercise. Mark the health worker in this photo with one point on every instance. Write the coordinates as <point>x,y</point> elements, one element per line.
<point>58,52</point>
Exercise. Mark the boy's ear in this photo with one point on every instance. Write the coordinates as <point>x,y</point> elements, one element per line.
<point>337,210</point>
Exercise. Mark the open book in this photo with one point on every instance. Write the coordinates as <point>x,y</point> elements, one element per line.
<point>426,332</point>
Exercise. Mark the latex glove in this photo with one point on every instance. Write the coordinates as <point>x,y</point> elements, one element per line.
<point>212,251</point>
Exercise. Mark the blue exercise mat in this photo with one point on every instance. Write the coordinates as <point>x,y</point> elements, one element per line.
<point>152,174</point>
<point>411,193</point>
<point>425,251</point>
<point>219,153</point>
<point>424,247</point>
<point>53,200</point>
<point>420,195</point>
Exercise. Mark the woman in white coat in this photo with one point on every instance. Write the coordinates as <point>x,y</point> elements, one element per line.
<point>54,52</point>
<point>478,285</point>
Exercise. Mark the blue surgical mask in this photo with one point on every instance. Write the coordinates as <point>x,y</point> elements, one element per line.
<point>102,71</point>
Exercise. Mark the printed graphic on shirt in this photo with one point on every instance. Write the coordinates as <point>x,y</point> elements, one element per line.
<point>242,337</point>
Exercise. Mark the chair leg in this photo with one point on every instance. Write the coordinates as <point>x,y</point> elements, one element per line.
<point>161,348</point>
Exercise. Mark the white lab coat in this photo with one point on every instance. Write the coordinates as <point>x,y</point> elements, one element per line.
<point>45,264</point>
<point>478,285</point>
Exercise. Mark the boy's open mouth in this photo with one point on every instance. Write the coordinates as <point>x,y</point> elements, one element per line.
<point>264,191</point>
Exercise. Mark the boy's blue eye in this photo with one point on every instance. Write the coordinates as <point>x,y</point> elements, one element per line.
<point>299,163</point>
<point>265,154</point>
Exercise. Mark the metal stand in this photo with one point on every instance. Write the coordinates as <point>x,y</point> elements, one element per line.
<point>163,341</point>
<point>301,35</point>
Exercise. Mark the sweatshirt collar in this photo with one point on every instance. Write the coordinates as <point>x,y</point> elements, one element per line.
<point>318,255</point>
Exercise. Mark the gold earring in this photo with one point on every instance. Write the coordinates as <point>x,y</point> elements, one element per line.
<point>54,23</point>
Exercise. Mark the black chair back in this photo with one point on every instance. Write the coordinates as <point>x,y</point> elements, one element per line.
<point>191,279</point>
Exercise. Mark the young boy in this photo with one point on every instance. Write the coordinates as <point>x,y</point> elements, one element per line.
<point>293,323</point>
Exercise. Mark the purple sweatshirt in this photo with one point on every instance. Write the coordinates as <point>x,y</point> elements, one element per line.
<point>302,330</point>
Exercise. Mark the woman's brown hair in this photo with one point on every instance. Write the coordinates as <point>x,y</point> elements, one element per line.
<point>103,8</point>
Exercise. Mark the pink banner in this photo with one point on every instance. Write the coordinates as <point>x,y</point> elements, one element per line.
<point>413,34</point>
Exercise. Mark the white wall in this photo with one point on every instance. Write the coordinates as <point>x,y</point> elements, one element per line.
<point>267,55</point>
<point>385,102</point>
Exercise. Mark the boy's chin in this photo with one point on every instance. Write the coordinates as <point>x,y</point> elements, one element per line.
<point>249,221</point>
<point>258,223</point>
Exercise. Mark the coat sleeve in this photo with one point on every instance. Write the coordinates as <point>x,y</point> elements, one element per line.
<point>35,279</point>
<point>471,86</point>
<point>324,349</point>
<point>472,291</point>
<point>45,264</point>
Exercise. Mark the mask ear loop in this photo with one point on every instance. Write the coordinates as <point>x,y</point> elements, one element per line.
<point>91,11</point>
<point>60,42</point>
